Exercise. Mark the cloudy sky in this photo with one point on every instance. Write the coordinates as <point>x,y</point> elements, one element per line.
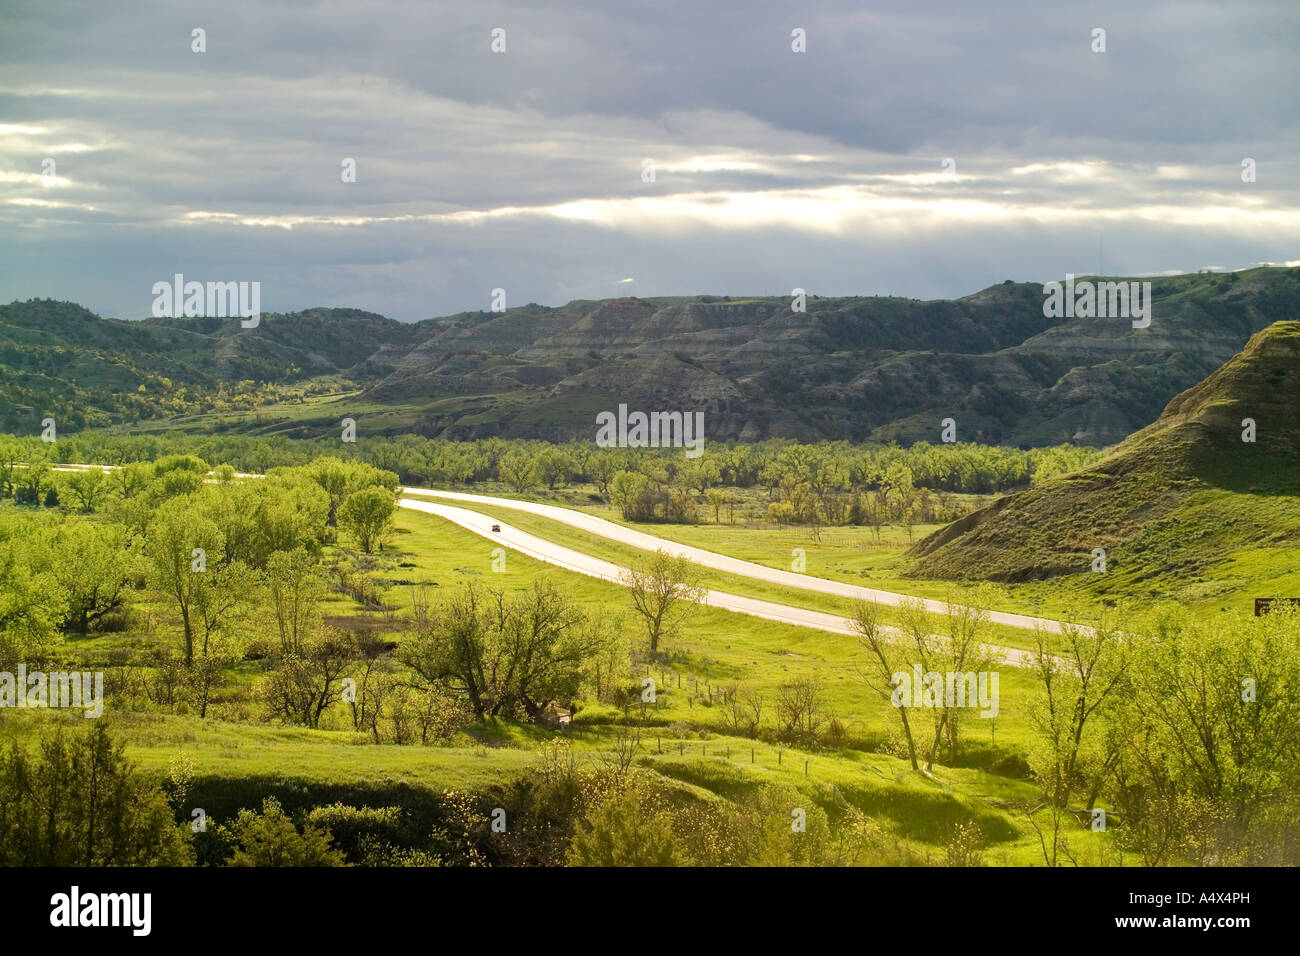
<point>523,169</point>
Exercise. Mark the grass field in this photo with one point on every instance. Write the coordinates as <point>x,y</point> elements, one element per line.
<point>715,648</point>
<point>850,555</point>
<point>1254,554</point>
<point>683,735</point>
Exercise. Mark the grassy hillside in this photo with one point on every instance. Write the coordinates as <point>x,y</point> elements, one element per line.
<point>1184,507</point>
<point>58,359</point>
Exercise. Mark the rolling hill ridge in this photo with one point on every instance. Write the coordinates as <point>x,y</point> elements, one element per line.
<point>875,368</point>
<point>1174,499</point>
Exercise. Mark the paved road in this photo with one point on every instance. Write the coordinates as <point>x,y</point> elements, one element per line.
<point>571,560</point>
<point>721,562</point>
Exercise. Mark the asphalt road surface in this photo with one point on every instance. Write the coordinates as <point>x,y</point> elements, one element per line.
<point>721,562</point>
<point>571,560</point>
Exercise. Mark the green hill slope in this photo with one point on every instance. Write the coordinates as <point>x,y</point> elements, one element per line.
<point>61,360</point>
<point>1180,497</point>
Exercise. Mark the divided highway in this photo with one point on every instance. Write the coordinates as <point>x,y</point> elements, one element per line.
<point>571,560</point>
<point>721,562</point>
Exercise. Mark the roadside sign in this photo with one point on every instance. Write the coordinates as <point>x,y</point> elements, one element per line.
<point>1263,605</point>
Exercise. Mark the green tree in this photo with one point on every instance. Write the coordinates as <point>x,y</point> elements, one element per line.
<point>32,604</point>
<point>179,545</point>
<point>305,684</point>
<point>554,467</point>
<point>32,480</point>
<point>86,489</point>
<point>77,801</point>
<point>11,454</point>
<point>368,516</point>
<point>509,656</point>
<point>664,590</point>
<point>93,563</point>
<point>518,469</point>
<point>295,590</point>
<point>217,611</point>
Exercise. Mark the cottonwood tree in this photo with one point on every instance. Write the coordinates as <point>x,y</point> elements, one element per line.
<point>257,519</point>
<point>295,589</point>
<point>447,644</point>
<point>554,467</point>
<point>509,655</point>
<point>372,669</point>
<point>664,591</point>
<point>217,611</point>
<point>304,685</point>
<point>541,649</point>
<point>11,457</point>
<point>332,475</point>
<point>132,478</point>
<point>86,489</point>
<point>93,563</point>
<point>177,476</point>
<point>947,644</point>
<point>340,479</point>
<point>917,644</point>
<point>518,469</point>
<point>634,495</point>
<point>1079,673</point>
<point>1209,739</point>
<point>368,516</point>
<point>742,710</point>
<point>32,604</point>
<point>172,539</point>
<point>965,650</point>
<point>800,710</point>
<point>886,656</point>
<point>603,466</point>
<point>610,662</point>
<point>32,480</point>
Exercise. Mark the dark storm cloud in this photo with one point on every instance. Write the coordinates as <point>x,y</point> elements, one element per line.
<point>523,170</point>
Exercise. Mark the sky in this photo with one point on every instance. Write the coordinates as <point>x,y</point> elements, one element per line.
<point>923,149</point>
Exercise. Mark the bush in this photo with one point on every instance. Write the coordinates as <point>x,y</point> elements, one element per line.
<point>361,831</point>
<point>271,839</point>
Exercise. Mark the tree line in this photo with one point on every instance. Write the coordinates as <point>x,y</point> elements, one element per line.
<point>810,484</point>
